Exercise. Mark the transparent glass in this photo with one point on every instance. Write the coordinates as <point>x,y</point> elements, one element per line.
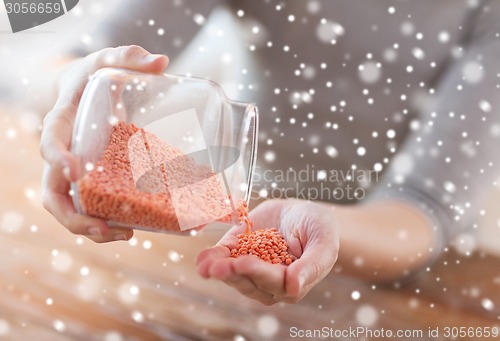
<point>161,152</point>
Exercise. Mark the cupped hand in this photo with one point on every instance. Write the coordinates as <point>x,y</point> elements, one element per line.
<point>312,235</point>
<point>61,167</point>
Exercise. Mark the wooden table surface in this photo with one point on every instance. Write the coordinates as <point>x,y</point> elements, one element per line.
<point>57,286</point>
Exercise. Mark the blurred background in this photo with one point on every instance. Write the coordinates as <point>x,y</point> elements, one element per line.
<point>57,286</point>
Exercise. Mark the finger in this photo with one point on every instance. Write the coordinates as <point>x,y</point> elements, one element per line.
<point>56,200</point>
<point>208,256</point>
<point>131,57</point>
<point>314,264</point>
<point>225,270</point>
<point>128,57</point>
<point>56,140</point>
<point>221,268</point>
<point>230,238</point>
<point>58,124</point>
<point>267,277</point>
<point>62,209</point>
<point>246,287</point>
<point>93,228</point>
<point>114,235</point>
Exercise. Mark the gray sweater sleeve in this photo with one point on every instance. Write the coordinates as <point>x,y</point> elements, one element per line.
<point>451,157</point>
<point>447,161</point>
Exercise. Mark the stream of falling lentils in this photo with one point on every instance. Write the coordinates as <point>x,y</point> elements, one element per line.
<point>267,244</point>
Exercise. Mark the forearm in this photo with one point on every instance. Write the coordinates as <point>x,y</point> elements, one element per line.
<point>383,240</point>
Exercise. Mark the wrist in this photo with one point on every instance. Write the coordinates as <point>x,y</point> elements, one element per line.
<point>382,240</point>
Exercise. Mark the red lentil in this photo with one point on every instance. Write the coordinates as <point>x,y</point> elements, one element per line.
<point>243,217</point>
<point>264,244</point>
<point>111,192</point>
<point>269,245</point>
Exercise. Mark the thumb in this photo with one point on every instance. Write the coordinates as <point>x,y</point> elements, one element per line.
<point>128,57</point>
<point>307,271</point>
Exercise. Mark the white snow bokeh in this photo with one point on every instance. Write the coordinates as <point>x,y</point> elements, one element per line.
<point>473,72</point>
<point>487,304</point>
<point>113,336</point>
<point>84,271</point>
<point>485,106</point>
<point>331,151</point>
<point>418,53</point>
<point>4,327</point>
<point>443,37</point>
<point>11,222</point>
<point>89,287</point>
<point>495,130</point>
<point>403,164</point>
<point>361,151</point>
<point>239,338</point>
<point>450,187</point>
<point>407,28</point>
<point>366,315</point>
<point>137,316</point>
<point>270,156</point>
<point>174,256</point>
<point>465,244</point>
<point>147,244</point>
<point>313,6</point>
<point>128,293</point>
<point>329,31</point>
<point>61,261</point>
<point>268,325</point>
<point>369,72</point>
<point>355,295</point>
<point>390,55</point>
<point>59,325</point>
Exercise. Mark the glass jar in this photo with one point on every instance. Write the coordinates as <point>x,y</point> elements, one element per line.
<point>161,152</point>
